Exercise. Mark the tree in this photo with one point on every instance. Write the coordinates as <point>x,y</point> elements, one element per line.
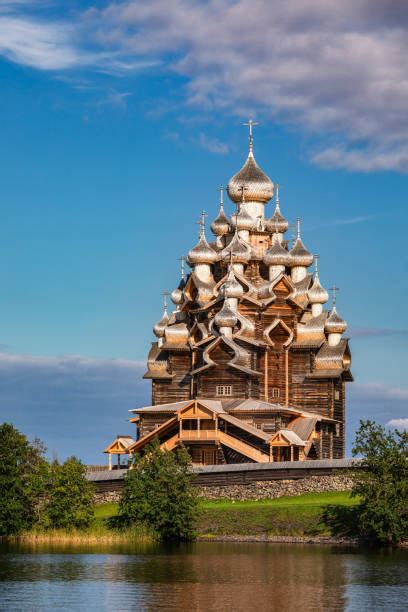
<point>23,480</point>
<point>70,499</point>
<point>383,483</point>
<point>158,491</point>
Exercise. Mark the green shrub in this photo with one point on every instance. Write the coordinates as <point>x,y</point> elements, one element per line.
<point>23,479</point>
<point>158,492</point>
<point>70,497</point>
<point>383,483</point>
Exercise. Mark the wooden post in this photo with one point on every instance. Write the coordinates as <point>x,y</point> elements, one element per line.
<point>110,461</point>
<point>291,452</point>
<point>180,428</point>
<point>287,377</point>
<point>216,423</point>
<point>198,426</point>
<point>266,376</point>
<point>270,453</point>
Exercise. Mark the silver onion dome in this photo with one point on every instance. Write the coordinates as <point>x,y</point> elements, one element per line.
<point>276,255</point>
<point>277,223</point>
<point>242,220</point>
<point>334,323</point>
<point>259,187</point>
<point>236,250</point>
<point>221,224</point>
<point>226,317</point>
<point>177,296</point>
<point>232,288</point>
<point>160,327</point>
<point>317,294</point>
<point>202,253</point>
<point>299,255</point>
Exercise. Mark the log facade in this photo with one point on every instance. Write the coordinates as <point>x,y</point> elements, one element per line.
<point>249,366</point>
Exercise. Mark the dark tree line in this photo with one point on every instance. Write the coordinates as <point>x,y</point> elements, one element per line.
<point>159,494</point>
<point>37,493</point>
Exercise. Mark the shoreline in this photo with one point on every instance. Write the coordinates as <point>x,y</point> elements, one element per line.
<point>80,539</point>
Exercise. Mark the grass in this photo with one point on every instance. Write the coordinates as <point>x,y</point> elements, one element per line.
<point>299,502</point>
<point>302,515</point>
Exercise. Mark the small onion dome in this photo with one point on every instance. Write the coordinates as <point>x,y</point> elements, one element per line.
<point>277,223</point>
<point>299,255</point>
<point>317,294</point>
<point>239,251</point>
<point>259,187</point>
<point>232,288</point>
<point>202,253</point>
<point>334,323</point>
<point>226,317</point>
<point>221,224</point>
<point>161,325</point>
<point>177,296</point>
<point>242,220</point>
<point>276,255</point>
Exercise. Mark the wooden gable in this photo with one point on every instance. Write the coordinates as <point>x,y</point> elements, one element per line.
<point>195,410</point>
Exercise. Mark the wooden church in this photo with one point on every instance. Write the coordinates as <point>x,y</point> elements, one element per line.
<point>249,366</point>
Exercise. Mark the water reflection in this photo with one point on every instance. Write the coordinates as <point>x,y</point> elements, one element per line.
<point>203,576</point>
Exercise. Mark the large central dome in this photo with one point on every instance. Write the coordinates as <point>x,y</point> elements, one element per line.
<point>259,187</point>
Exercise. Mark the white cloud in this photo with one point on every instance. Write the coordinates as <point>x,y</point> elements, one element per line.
<point>400,424</point>
<point>47,46</point>
<point>332,69</point>
<point>370,332</point>
<point>337,71</point>
<point>379,392</point>
<point>211,144</point>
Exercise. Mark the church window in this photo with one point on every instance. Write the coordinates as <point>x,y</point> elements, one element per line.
<point>224,390</point>
<point>275,392</point>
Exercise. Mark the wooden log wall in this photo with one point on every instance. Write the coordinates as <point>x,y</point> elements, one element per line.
<point>244,475</point>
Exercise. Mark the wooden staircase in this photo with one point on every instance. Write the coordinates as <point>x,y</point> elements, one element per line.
<point>219,437</point>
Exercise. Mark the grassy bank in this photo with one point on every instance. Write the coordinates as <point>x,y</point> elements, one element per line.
<point>303,515</point>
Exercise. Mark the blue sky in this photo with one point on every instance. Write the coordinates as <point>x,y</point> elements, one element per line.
<point>118,122</point>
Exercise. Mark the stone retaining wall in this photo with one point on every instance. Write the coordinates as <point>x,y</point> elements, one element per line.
<point>263,489</point>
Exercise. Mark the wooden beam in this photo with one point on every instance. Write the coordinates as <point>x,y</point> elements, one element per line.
<point>266,375</point>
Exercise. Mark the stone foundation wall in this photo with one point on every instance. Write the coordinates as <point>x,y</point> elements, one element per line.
<point>263,489</point>
<point>270,489</point>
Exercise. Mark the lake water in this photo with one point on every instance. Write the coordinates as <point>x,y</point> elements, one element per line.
<point>203,576</point>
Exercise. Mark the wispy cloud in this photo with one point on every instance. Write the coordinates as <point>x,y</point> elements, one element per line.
<point>378,392</point>
<point>337,222</point>
<point>335,71</point>
<point>400,424</point>
<point>370,332</point>
<point>213,145</point>
<point>39,44</point>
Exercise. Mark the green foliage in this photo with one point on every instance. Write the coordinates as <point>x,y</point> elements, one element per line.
<point>23,479</point>
<point>70,498</point>
<point>383,484</point>
<point>158,492</point>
